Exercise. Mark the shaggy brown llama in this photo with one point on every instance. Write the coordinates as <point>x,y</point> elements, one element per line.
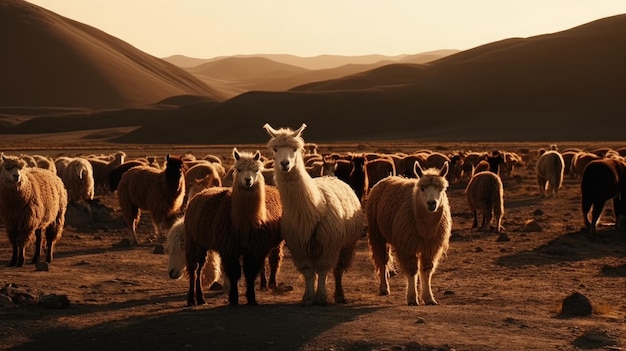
<point>242,221</point>
<point>159,191</point>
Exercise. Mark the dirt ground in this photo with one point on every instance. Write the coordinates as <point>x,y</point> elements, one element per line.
<point>493,293</point>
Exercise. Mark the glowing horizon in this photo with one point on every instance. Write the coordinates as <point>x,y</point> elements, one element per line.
<point>204,29</point>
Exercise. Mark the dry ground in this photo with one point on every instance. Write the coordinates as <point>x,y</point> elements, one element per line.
<point>493,295</point>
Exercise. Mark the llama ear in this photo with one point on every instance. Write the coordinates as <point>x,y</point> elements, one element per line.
<point>167,157</point>
<point>271,131</point>
<point>444,170</point>
<point>417,169</point>
<point>299,131</point>
<point>257,155</point>
<point>236,154</point>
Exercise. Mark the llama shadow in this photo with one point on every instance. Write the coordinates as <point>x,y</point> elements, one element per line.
<point>570,247</point>
<point>262,327</point>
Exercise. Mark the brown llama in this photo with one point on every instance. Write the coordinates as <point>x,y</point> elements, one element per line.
<point>485,193</point>
<point>32,201</point>
<point>242,221</point>
<point>159,191</point>
<point>412,217</point>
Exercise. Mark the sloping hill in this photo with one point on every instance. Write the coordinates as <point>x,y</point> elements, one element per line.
<point>50,60</point>
<point>561,86</point>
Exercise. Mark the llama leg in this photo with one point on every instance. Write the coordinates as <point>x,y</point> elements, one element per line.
<point>475,223</point>
<point>13,262</point>
<point>321,295</point>
<point>263,275</point>
<point>596,211</point>
<point>345,261</point>
<point>37,246</point>
<point>426,269</point>
<point>233,272</point>
<point>618,209</point>
<point>498,216</point>
<point>408,265</point>
<point>195,262</point>
<point>21,253</point>
<point>309,284</point>
<point>51,236</point>
<point>274,259</point>
<point>251,268</point>
<point>586,207</point>
<point>380,256</point>
<point>133,220</point>
<point>487,217</point>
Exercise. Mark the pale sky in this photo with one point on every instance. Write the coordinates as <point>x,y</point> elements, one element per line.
<point>209,28</point>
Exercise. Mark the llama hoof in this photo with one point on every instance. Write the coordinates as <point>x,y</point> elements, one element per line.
<point>341,300</point>
<point>412,303</point>
<point>252,303</point>
<point>384,293</point>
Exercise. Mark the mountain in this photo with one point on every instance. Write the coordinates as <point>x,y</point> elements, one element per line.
<point>50,60</point>
<point>239,74</point>
<point>566,85</point>
<point>563,86</point>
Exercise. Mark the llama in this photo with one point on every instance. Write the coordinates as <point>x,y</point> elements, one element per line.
<point>550,169</point>
<point>102,168</point>
<point>601,181</point>
<point>32,201</point>
<point>485,193</point>
<point>78,179</point>
<point>240,221</point>
<point>322,217</point>
<point>159,191</point>
<point>412,217</point>
<point>175,249</point>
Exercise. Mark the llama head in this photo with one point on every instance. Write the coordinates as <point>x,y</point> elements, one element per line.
<point>431,185</point>
<point>287,146</point>
<point>175,249</point>
<point>247,169</point>
<point>12,168</point>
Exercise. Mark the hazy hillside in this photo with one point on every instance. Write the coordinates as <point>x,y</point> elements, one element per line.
<point>240,74</point>
<point>49,60</point>
<point>561,86</point>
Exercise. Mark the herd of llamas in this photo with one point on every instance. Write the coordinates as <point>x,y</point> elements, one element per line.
<point>218,217</point>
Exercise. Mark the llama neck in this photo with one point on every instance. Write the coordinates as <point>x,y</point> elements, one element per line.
<point>297,187</point>
<point>14,193</point>
<point>248,210</point>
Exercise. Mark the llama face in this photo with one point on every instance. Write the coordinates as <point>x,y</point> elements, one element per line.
<point>176,253</point>
<point>285,158</point>
<point>247,168</point>
<point>430,194</point>
<point>12,169</point>
<point>431,186</point>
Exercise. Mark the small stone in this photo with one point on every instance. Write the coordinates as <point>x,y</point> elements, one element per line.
<point>55,301</point>
<point>503,237</point>
<point>42,266</point>
<point>538,212</point>
<point>532,226</point>
<point>420,320</point>
<point>576,304</point>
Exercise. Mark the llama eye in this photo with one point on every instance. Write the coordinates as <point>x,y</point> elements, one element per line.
<point>422,188</point>
<point>275,150</point>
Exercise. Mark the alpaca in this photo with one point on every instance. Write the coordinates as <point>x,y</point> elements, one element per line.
<point>240,221</point>
<point>115,175</point>
<point>32,201</point>
<point>78,179</point>
<point>412,217</point>
<point>485,193</point>
<point>175,249</point>
<point>550,169</point>
<point>102,168</point>
<point>601,181</point>
<point>159,191</point>
<point>322,217</point>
